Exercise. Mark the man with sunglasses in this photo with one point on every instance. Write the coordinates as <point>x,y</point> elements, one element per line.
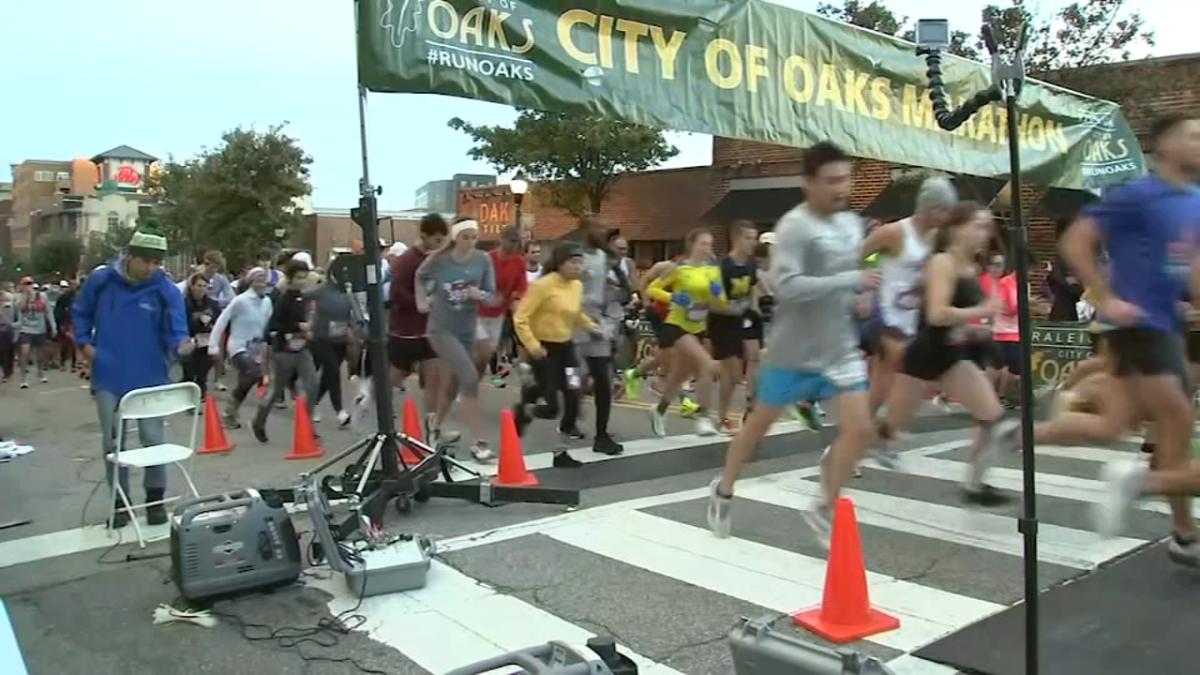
<point>129,321</point>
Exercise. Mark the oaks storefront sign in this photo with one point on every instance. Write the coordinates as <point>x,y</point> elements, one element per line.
<point>738,68</point>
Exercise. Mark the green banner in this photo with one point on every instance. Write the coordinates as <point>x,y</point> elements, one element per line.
<point>738,68</point>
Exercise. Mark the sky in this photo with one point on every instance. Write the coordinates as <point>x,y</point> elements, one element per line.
<point>169,77</point>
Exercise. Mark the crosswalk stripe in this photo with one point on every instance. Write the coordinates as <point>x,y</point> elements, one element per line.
<point>1048,484</point>
<point>455,621</point>
<point>767,576</point>
<point>1056,544</point>
<point>1086,454</point>
<point>635,448</point>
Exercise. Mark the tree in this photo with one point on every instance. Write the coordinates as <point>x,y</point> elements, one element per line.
<point>573,159</point>
<point>1079,35</point>
<point>57,254</point>
<point>102,246</point>
<point>233,198</point>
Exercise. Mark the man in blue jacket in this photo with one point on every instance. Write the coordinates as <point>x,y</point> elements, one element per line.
<point>129,320</point>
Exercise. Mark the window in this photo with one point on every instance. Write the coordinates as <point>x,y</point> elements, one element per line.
<point>63,176</point>
<point>114,220</point>
<point>43,176</point>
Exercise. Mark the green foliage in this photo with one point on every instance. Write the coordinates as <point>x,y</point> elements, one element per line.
<point>234,197</point>
<point>1083,33</point>
<point>58,254</point>
<point>103,246</point>
<point>573,160</point>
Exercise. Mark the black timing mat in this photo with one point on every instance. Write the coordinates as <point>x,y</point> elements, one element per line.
<point>1137,616</point>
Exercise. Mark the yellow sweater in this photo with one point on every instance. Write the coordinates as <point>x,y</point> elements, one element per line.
<point>550,311</point>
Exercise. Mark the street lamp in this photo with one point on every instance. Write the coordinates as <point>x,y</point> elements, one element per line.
<point>519,186</point>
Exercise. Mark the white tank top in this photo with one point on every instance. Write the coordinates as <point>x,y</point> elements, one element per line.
<point>900,281</point>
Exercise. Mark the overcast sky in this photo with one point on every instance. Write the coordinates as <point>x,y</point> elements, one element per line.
<point>168,76</point>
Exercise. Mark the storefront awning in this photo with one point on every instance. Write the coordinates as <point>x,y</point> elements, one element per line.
<point>761,207</point>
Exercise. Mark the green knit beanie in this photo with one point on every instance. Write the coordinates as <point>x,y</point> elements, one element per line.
<point>148,241</point>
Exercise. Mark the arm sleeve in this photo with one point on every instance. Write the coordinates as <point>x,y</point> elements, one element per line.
<point>791,284</point>
<point>218,332</point>
<point>83,312</point>
<point>175,328</point>
<point>521,318</point>
<point>657,289</point>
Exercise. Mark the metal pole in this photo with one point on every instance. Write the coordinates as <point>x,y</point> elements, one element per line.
<point>1027,524</point>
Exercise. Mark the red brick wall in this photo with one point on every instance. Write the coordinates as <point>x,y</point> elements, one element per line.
<point>650,206</point>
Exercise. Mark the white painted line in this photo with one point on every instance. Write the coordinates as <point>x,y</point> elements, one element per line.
<point>1087,454</point>
<point>455,621</point>
<point>767,576</point>
<point>543,525</point>
<point>911,665</point>
<point>11,661</point>
<point>1056,544</point>
<point>635,448</point>
<point>1048,484</point>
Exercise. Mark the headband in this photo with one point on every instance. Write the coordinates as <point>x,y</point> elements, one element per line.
<point>458,228</point>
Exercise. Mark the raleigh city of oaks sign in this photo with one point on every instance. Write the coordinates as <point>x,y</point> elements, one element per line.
<point>738,68</point>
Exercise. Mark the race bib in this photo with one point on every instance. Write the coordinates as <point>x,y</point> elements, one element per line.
<point>202,339</point>
<point>747,323</point>
<point>296,344</point>
<point>338,329</point>
<point>572,378</point>
<point>697,313</point>
<point>908,300</point>
<point>739,306</point>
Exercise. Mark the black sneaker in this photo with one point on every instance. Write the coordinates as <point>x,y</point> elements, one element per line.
<point>121,517</point>
<point>260,432</point>
<point>605,445</point>
<point>985,495</point>
<point>520,419</point>
<point>574,434</point>
<point>563,460</point>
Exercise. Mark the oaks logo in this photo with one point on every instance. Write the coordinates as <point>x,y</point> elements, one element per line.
<point>1106,151</point>
<point>479,37</point>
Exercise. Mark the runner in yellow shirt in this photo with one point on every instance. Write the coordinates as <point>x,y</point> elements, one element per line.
<point>695,285</point>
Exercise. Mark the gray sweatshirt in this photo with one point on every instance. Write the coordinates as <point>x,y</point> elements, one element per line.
<point>33,315</point>
<point>443,285</point>
<point>814,275</point>
<point>246,320</point>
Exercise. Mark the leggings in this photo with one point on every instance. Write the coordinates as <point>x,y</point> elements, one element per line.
<point>556,372</point>
<point>249,374</point>
<point>456,355</point>
<point>600,368</point>
<point>195,369</point>
<point>286,366</point>
<point>329,357</point>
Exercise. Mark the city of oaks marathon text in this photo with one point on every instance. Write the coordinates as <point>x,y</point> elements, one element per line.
<point>610,42</point>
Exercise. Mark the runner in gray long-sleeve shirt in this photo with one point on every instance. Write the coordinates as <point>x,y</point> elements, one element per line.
<point>450,285</point>
<point>33,320</point>
<point>812,349</point>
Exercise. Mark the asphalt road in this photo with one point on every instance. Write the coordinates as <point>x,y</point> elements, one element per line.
<point>635,561</point>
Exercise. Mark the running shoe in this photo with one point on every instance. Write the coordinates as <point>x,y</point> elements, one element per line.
<point>573,434</point>
<point>727,427</point>
<point>343,419</point>
<point>481,452</point>
<point>688,408</point>
<point>719,509</point>
<point>221,387</point>
<point>633,383</point>
<point>658,422</point>
<point>24,385</point>
<point>605,445</point>
<point>805,415</point>
<point>819,519</point>
<point>886,455</point>
<point>260,432</point>
<point>499,382</point>
<point>525,375</point>
<point>231,421</point>
<point>439,438</point>
<point>942,403</point>
<point>705,426</point>
<point>316,417</point>
<point>44,380</point>
<point>1186,553</point>
<point>818,410</point>
<point>985,495</point>
<point>563,460</point>
<point>1124,481</point>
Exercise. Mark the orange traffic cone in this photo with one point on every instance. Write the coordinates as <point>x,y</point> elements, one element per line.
<point>845,614</point>
<point>304,439</point>
<point>214,434</point>
<point>512,460</point>
<point>412,429</point>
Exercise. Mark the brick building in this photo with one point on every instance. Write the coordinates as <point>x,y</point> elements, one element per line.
<point>654,210</point>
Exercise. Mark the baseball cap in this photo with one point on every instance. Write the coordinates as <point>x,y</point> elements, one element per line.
<point>63,284</point>
<point>397,249</point>
<point>767,238</point>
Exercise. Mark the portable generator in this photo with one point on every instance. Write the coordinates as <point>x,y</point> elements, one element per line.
<point>231,543</point>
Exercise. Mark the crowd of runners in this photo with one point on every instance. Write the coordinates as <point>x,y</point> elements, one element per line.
<point>822,308</point>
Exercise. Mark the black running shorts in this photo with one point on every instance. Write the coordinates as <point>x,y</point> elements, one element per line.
<point>406,353</point>
<point>671,333</point>
<point>1144,351</point>
<point>726,334</point>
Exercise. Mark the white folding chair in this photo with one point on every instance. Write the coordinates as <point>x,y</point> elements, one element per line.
<point>146,404</point>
